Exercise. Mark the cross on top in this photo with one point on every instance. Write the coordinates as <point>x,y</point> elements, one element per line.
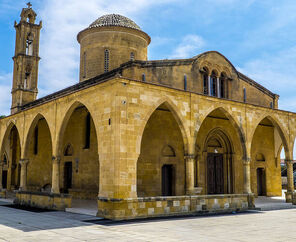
<point>29,4</point>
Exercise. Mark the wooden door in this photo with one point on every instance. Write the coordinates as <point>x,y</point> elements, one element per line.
<point>167,180</point>
<point>215,174</point>
<point>67,176</point>
<point>4,179</point>
<point>261,191</point>
<point>219,173</point>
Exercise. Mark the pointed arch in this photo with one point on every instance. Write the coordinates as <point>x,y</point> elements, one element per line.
<point>65,121</point>
<point>221,137</point>
<point>239,130</point>
<point>219,54</point>
<point>81,171</point>
<point>177,116</point>
<point>168,151</point>
<point>280,130</point>
<point>68,151</point>
<point>161,164</point>
<point>10,125</point>
<point>31,130</point>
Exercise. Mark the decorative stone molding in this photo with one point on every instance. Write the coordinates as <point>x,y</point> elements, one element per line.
<point>23,162</point>
<point>189,157</point>
<point>56,159</point>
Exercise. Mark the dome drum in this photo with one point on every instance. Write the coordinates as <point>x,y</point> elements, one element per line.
<point>109,42</point>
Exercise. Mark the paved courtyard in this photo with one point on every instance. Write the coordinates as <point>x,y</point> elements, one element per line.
<point>20,225</point>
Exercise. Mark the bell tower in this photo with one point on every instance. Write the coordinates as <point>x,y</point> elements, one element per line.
<point>26,59</point>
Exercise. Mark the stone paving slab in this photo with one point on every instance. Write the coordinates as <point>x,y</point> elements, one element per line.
<point>19,225</point>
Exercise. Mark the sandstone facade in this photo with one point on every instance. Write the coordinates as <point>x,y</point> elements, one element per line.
<point>147,138</point>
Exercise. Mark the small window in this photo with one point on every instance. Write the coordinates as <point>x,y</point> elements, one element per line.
<point>260,157</point>
<point>271,104</point>
<point>26,80</point>
<point>36,141</point>
<point>245,95</point>
<point>68,150</point>
<point>223,86</point>
<point>4,159</point>
<point>185,82</point>
<point>143,77</point>
<point>84,64</point>
<point>132,57</point>
<point>106,66</point>
<point>29,44</point>
<point>205,82</point>
<point>87,131</point>
<point>214,85</point>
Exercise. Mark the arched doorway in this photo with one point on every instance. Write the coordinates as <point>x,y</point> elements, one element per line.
<point>79,166</point>
<point>38,151</point>
<point>11,150</point>
<point>161,167</point>
<point>220,148</point>
<point>219,163</point>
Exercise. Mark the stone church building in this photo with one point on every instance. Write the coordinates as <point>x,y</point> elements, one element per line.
<point>142,137</point>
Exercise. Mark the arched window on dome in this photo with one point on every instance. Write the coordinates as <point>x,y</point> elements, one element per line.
<point>205,81</point>
<point>84,64</point>
<point>214,84</point>
<point>132,57</point>
<point>106,66</point>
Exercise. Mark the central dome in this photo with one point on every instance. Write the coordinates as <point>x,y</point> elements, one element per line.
<point>114,20</point>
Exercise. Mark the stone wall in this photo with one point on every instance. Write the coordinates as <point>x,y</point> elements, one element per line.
<point>172,206</point>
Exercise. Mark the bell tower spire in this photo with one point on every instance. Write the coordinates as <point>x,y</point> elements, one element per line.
<point>26,59</point>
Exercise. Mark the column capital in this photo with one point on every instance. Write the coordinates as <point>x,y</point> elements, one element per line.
<point>56,159</point>
<point>189,157</point>
<point>247,161</point>
<point>23,162</point>
<point>290,162</point>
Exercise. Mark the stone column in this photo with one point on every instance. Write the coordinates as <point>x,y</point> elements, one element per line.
<point>218,87</point>
<point>290,180</point>
<point>23,180</point>
<point>55,174</point>
<point>209,85</point>
<point>247,176</point>
<point>189,161</point>
<point>1,171</point>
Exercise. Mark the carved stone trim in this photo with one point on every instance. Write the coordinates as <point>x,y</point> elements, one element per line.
<point>56,159</point>
<point>189,157</point>
<point>23,162</point>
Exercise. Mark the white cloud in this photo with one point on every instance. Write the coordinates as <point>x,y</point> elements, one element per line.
<point>188,47</point>
<point>276,71</point>
<point>62,20</point>
<point>5,88</point>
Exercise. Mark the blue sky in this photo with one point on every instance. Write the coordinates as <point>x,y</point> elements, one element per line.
<point>257,36</point>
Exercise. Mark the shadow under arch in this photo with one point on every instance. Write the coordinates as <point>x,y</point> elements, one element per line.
<point>80,161</point>
<point>30,132</point>
<point>7,133</point>
<point>279,128</point>
<point>234,124</point>
<point>76,104</point>
<point>180,121</point>
<point>12,142</point>
<point>161,163</point>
